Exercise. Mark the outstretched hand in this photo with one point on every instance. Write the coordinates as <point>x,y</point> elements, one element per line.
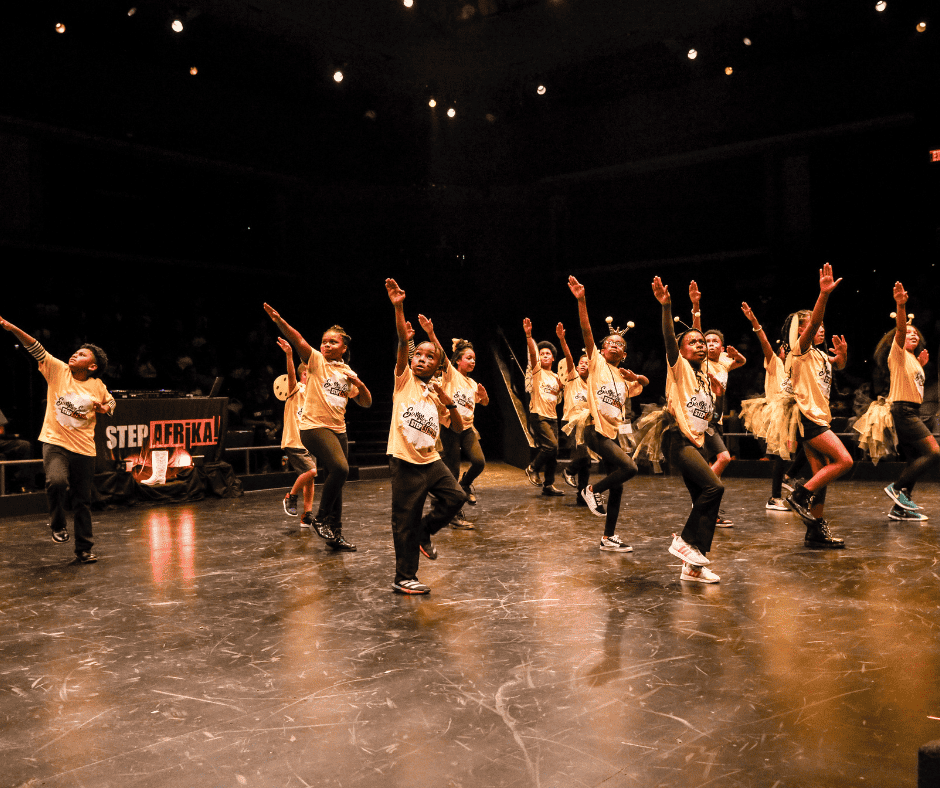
<point>900,294</point>
<point>923,357</point>
<point>426,325</point>
<point>695,295</point>
<point>284,345</point>
<point>577,289</point>
<point>395,294</point>
<point>826,282</point>
<point>735,354</point>
<point>661,291</point>
<point>409,331</point>
<point>748,313</point>
<point>629,375</point>
<point>527,326</point>
<point>840,348</point>
<point>560,331</point>
<point>272,312</point>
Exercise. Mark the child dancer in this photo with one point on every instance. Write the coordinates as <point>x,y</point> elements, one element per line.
<point>690,402</point>
<point>74,399</point>
<point>576,416</point>
<point>323,423</point>
<point>543,416</point>
<point>608,390</point>
<point>905,397</point>
<point>417,468</point>
<point>809,373</point>
<point>293,447</point>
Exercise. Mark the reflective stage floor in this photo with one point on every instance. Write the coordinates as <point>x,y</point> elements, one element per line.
<point>216,644</point>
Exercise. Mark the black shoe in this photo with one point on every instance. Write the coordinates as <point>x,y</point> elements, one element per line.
<point>571,479</point>
<point>819,536</point>
<point>60,536</point>
<point>86,557</point>
<point>307,520</point>
<point>460,522</point>
<point>799,501</point>
<point>428,550</point>
<point>322,527</point>
<point>468,489</point>
<point>552,491</point>
<point>339,543</point>
<point>535,479</point>
<point>290,504</point>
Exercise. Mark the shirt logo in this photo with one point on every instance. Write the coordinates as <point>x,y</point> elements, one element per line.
<point>419,423</point>
<point>72,410</point>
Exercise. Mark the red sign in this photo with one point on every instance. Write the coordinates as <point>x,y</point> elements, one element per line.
<point>935,155</point>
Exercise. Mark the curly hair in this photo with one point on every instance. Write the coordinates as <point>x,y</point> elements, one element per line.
<point>101,359</point>
<point>884,345</point>
<point>459,347</point>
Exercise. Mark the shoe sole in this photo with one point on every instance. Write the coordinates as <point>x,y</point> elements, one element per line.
<point>703,580</point>
<point>921,519</point>
<point>432,556</point>
<point>776,508</point>
<point>703,562</point>
<point>533,478</point>
<point>467,527</point>
<point>87,560</point>
<point>624,549</point>
<point>806,518</point>
<point>287,512</point>
<point>724,525</point>
<point>570,481</point>
<point>891,494</point>
<point>822,545</point>
<point>60,541</point>
<point>410,591</point>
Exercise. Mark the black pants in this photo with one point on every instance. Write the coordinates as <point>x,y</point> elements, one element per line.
<point>545,434</point>
<point>69,476</point>
<point>620,468</point>
<point>411,485</point>
<point>911,434</point>
<point>465,443</point>
<point>332,452</point>
<point>781,468</point>
<point>703,485</point>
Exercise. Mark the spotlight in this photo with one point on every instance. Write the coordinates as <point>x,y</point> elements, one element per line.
<point>131,11</point>
<point>881,5</point>
<point>59,28</point>
<point>451,112</point>
<point>747,42</point>
<point>193,70</point>
<point>540,90</point>
<point>432,103</point>
<point>177,26</point>
<point>921,27</point>
<point>729,71</point>
<point>409,3</point>
<point>337,77</point>
<point>693,54</point>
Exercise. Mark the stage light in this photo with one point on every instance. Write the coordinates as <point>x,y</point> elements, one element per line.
<point>193,70</point>
<point>131,11</point>
<point>451,112</point>
<point>540,90</point>
<point>432,103</point>
<point>921,27</point>
<point>59,28</point>
<point>693,54</point>
<point>729,71</point>
<point>409,3</point>
<point>177,26</point>
<point>881,5</point>
<point>337,77</point>
<point>747,42</point>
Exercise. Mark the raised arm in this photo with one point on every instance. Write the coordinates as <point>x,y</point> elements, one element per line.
<point>669,330</point>
<point>397,296</point>
<point>284,345</point>
<point>292,334</point>
<point>900,315</point>
<point>25,339</point>
<point>560,333</point>
<point>428,327</point>
<point>695,296</point>
<point>758,329</point>
<point>736,356</point>
<point>577,290</point>
<point>826,285</point>
<point>530,345</point>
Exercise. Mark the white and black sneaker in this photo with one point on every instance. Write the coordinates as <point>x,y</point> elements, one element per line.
<point>777,505</point>
<point>613,544</point>
<point>290,504</point>
<point>410,587</point>
<point>593,501</point>
<point>905,515</point>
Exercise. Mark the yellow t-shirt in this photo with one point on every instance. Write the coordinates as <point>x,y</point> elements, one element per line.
<point>293,408</point>
<point>810,376</point>
<point>416,421</point>
<point>774,375</point>
<point>327,394</point>
<point>576,397</point>
<point>545,387</point>
<point>907,376</point>
<point>70,407</point>
<point>689,400</point>
<point>608,394</point>
<point>465,394</point>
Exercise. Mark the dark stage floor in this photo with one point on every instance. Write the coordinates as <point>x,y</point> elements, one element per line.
<point>216,645</point>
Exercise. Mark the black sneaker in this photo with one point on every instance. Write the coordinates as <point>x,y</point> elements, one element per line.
<point>290,504</point>
<point>86,557</point>
<point>468,489</point>
<point>428,550</point>
<point>818,535</point>
<point>535,479</point>
<point>307,520</point>
<point>322,527</point>
<point>339,543</point>
<point>552,491</point>
<point>410,587</point>
<point>60,536</point>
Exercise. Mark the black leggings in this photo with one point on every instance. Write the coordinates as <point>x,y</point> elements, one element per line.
<point>620,468</point>
<point>781,468</point>
<point>332,452</point>
<point>545,435</point>
<point>468,444</point>
<point>920,460</point>
<point>703,485</point>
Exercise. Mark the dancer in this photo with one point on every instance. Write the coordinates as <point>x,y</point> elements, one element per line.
<point>323,423</point>
<point>809,372</point>
<point>898,348</point>
<point>417,469</point>
<point>576,416</point>
<point>608,389</point>
<point>74,398</point>
<point>690,402</point>
<point>719,363</point>
<point>298,456</point>
<point>543,414</point>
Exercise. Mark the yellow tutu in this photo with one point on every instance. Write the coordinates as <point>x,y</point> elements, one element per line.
<point>876,430</point>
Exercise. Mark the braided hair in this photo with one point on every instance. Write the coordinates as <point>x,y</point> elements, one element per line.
<point>347,340</point>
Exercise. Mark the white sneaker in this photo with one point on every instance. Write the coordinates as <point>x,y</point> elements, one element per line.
<point>682,549</point>
<point>698,574</point>
<point>614,545</point>
<point>777,505</point>
<point>593,501</point>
